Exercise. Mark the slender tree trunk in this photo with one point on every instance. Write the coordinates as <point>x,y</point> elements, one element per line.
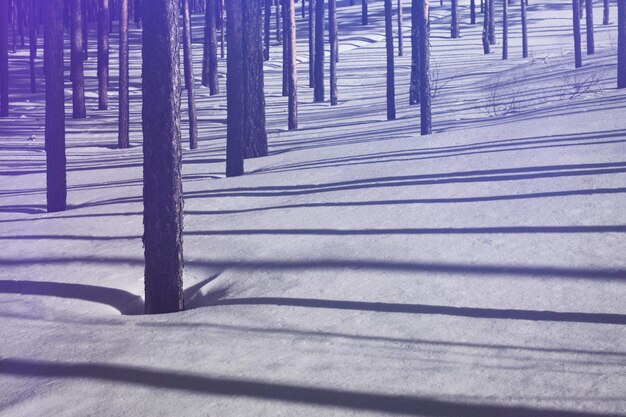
<point>318,92</point>
<point>364,16</point>
<point>485,38</point>
<point>312,35</point>
<point>605,12</point>
<point>424,66</point>
<point>85,20</point>
<point>391,88</point>
<point>492,23</point>
<point>292,79</point>
<point>222,28</point>
<point>621,44</point>
<point>235,89</point>
<point>32,34</point>
<point>77,61</point>
<point>334,49</point>
<point>189,78</point>
<point>103,54</point>
<point>279,37</point>
<point>473,12</point>
<point>505,29</point>
<point>124,104</point>
<point>578,57</point>
<point>414,92</point>
<point>56,183</point>
<point>400,34</point>
<point>266,29</point>
<point>454,26</point>
<point>162,191</point>
<point>589,26</point>
<point>209,62</point>
<point>524,30</point>
<point>285,51</point>
<point>4,58</point>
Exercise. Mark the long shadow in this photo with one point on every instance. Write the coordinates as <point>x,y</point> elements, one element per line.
<point>123,301</point>
<point>291,393</point>
<point>486,313</point>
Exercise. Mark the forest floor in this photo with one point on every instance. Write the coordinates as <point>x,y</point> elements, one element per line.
<point>360,269</point>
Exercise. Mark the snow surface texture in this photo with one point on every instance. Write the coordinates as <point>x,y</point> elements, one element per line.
<point>360,269</point>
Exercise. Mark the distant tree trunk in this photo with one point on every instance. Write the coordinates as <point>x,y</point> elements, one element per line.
<point>209,62</point>
<point>589,26</point>
<point>486,17</point>
<point>162,192</point>
<point>189,78</point>
<point>505,29</point>
<point>482,6</point>
<point>473,12</point>
<point>312,35</point>
<point>454,26</point>
<point>285,51</point>
<point>334,50</point>
<point>578,57</point>
<point>56,183</point>
<point>621,44</point>
<point>255,135</point>
<point>77,61</point>
<point>4,59</point>
<point>364,12</point>
<point>492,23</point>
<point>605,12</point>
<point>279,37</point>
<point>292,74</point>
<point>235,89</point>
<point>266,29</point>
<point>391,89</point>
<point>414,92</point>
<point>32,34</point>
<point>124,105</point>
<point>424,67</point>
<point>318,92</point>
<point>524,30</point>
<point>222,28</point>
<point>103,54</point>
<point>85,20</point>
<point>400,38</point>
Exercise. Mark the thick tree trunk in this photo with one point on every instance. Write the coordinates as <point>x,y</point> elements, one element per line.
<point>235,89</point>
<point>77,61</point>
<point>4,58</point>
<point>209,62</point>
<point>524,30</point>
<point>318,92</point>
<point>424,66</point>
<point>124,105</point>
<point>266,29</point>
<point>391,88</point>
<point>414,92</point>
<point>312,35</point>
<point>454,25</point>
<point>334,50</point>
<point>103,54</point>
<point>505,29</point>
<point>621,44</point>
<point>56,182</point>
<point>189,78</point>
<point>400,34</point>
<point>364,12</point>
<point>578,56</point>
<point>162,191</point>
<point>485,38</point>
<point>85,20</point>
<point>285,50</point>
<point>292,74</point>
<point>589,26</point>
<point>32,34</point>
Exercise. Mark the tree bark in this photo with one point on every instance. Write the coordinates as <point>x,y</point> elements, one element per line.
<point>485,38</point>
<point>189,78</point>
<point>235,89</point>
<point>400,34</point>
<point>312,35</point>
<point>4,59</point>
<point>605,12</point>
<point>334,50</point>
<point>589,26</point>
<point>473,12</point>
<point>318,92</point>
<point>77,61</point>
<point>124,104</point>
<point>162,192</point>
<point>364,12</point>
<point>492,23</point>
<point>103,54</point>
<point>454,26</point>
<point>56,182</point>
<point>524,30</point>
<point>32,34</point>
<point>424,66</point>
<point>279,37</point>
<point>292,79</point>
<point>391,89</point>
<point>266,29</point>
<point>209,62</point>
<point>578,57</point>
<point>414,92</point>
<point>621,44</point>
<point>505,29</point>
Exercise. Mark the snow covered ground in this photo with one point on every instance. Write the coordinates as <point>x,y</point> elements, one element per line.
<point>360,269</point>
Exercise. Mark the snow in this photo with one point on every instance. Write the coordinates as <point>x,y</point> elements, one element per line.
<point>360,269</point>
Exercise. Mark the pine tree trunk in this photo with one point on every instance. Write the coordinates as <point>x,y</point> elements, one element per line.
<point>103,54</point>
<point>492,23</point>
<point>189,78</point>
<point>414,92</point>
<point>124,104</point>
<point>312,35</point>
<point>4,58</point>
<point>400,34</point>
<point>424,67</point>
<point>605,12</point>
<point>524,30</point>
<point>485,38</point>
<point>292,75</point>
<point>334,50</point>
<point>391,89</point>
<point>266,29</point>
<point>209,62</point>
<point>454,26</point>
<point>85,20</point>
<point>303,9</point>
<point>473,12</point>
<point>285,50</point>
<point>222,28</point>
<point>621,44</point>
<point>56,182</point>
<point>505,29</point>
<point>162,192</point>
<point>32,34</point>
<point>364,16</point>
<point>77,61</point>
<point>235,89</point>
<point>318,92</point>
<point>578,57</point>
<point>589,26</point>
<point>279,37</point>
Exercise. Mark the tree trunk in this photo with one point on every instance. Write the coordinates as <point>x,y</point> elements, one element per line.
<point>605,12</point>
<point>292,75</point>
<point>162,191</point>
<point>400,34</point>
<point>312,35</point>
<point>505,29</point>
<point>391,89</point>
<point>334,49</point>
<point>279,37</point>
<point>424,67</point>
<point>189,78</point>
<point>103,54</point>
<point>492,23</point>
<point>454,26</point>
<point>77,61</point>
<point>318,92</point>
<point>485,38</point>
<point>414,92</point>
<point>235,89</point>
<point>209,62</point>
<point>621,44</point>
<point>124,105</point>
<point>473,12</point>
<point>589,26</point>
<point>285,50</point>
<point>524,30</point>
<point>4,59</point>
<point>364,12</point>
<point>32,34</point>
<point>266,29</point>
<point>56,183</point>
<point>578,57</point>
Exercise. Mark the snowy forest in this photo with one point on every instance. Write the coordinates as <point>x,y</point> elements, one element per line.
<point>313,208</point>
